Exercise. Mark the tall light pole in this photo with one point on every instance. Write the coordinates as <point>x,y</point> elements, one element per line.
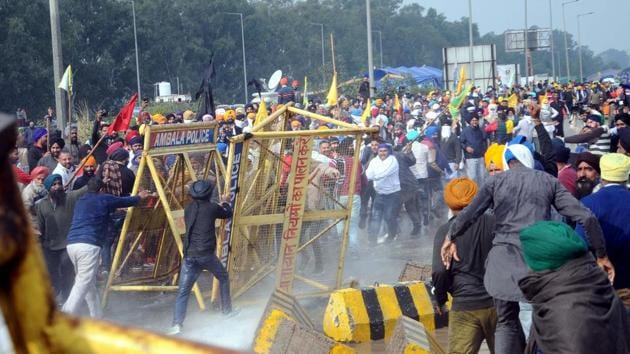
<point>526,47</point>
<point>321,26</point>
<point>240,14</point>
<point>566,45</point>
<point>553,62</point>
<point>380,44</point>
<point>369,43</point>
<point>580,42</point>
<point>135,39</point>
<point>55,31</point>
<point>470,44</point>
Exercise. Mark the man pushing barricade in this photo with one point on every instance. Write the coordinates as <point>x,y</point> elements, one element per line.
<point>199,248</point>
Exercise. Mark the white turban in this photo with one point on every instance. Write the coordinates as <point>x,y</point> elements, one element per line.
<point>519,152</point>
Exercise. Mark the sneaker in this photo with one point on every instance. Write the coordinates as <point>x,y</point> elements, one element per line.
<point>232,313</point>
<point>176,329</point>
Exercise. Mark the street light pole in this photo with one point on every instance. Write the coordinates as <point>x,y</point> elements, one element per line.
<point>470,44</point>
<point>321,25</point>
<point>566,45</point>
<point>135,39</point>
<point>240,14</point>
<point>369,43</point>
<point>380,44</point>
<point>553,62</point>
<point>580,42</point>
<point>55,30</point>
<point>526,47</point>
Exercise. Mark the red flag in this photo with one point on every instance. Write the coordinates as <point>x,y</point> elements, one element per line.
<point>121,123</point>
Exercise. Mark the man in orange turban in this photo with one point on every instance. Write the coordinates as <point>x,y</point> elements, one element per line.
<point>473,317</point>
<point>88,169</point>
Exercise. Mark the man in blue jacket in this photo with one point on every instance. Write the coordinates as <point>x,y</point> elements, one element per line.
<point>611,206</point>
<point>474,144</point>
<point>85,239</point>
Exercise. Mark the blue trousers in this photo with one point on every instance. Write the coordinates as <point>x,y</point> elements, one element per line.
<point>190,270</point>
<point>385,208</point>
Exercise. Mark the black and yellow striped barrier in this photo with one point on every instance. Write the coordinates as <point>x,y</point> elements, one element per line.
<point>360,315</point>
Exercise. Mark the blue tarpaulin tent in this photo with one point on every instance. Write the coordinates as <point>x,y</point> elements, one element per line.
<point>423,75</point>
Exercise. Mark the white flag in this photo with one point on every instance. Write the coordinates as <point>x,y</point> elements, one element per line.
<point>66,80</point>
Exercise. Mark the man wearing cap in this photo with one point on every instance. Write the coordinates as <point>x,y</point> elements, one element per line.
<point>38,149</point>
<point>473,317</point>
<point>510,194</point>
<point>89,169</point>
<point>587,173</point>
<point>199,248</point>
<point>611,206</point>
<point>85,238</point>
<point>474,144</point>
<point>54,216</point>
<point>597,137</point>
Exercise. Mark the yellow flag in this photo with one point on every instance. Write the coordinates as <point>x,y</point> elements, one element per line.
<point>262,113</point>
<point>366,113</point>
<point>66,80</point>
<point>305,98</point>
<point>512,101</point>
<point>397,105</point>
<point>332,93</point>
<point>460,81</point>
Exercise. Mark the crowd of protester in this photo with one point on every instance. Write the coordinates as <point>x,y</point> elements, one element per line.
<point>484,182</point>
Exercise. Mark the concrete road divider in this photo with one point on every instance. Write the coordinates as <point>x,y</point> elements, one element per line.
<point>360,315</point>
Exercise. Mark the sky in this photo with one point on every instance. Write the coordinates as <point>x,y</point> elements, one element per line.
<point>600,31</point>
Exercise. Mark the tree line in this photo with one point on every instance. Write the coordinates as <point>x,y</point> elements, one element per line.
<point>177,37</point>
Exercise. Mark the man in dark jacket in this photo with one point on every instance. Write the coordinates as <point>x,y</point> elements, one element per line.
<point>199,248</point>
<point>408,186</point>
<point>473,317</point>
<point>85,239</point>
<point>54,215</point>
<point>474,144</point>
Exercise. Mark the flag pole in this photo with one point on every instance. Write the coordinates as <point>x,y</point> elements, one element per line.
<point>332,49</point>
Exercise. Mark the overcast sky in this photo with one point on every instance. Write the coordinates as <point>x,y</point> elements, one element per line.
<point>600,31</point>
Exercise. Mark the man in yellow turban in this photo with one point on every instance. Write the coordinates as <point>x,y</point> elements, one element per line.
<point>494,159</point>
<point>473,317</point>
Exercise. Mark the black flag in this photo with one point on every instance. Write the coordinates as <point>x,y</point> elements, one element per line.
<point>205,92</point>
<point>257,85</point>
